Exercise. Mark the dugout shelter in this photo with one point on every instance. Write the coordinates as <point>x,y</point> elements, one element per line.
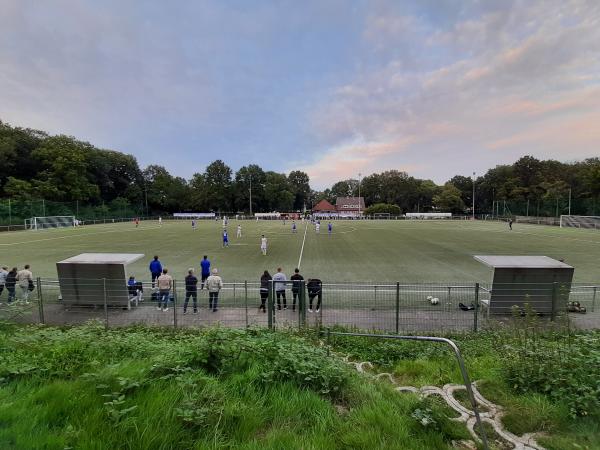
<point>90,279</point>
<point>542,282</point>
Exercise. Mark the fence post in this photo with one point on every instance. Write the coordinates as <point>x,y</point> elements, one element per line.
<point>476,310</point>
<point>375,307</point>
<point>105,304</point>
<point>397,307</point>
<point>554,300</point>
<point>41,300</point>
<point>594,299</point>
<point>246,300</point>
<point>175,304</point>
<point>270,306</point>
<point>302,303</point>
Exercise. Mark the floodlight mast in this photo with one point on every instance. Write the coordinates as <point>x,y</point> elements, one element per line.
<point>359,174</point>
<point>473,209</point>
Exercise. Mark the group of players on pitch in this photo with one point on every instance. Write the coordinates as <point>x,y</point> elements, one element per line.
<point>263,238</point>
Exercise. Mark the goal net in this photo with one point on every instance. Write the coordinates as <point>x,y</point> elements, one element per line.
<point>48,222</point>
<point>382,216</point>
<point>592,222</point>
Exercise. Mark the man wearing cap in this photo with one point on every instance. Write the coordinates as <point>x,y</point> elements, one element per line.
<point>214,284</point>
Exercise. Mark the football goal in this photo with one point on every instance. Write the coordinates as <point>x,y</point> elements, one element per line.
<point>382,216</point>
<point>48,222</point>
<point>592,222</point>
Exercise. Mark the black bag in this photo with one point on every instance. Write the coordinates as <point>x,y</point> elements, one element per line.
<point>31,286</point>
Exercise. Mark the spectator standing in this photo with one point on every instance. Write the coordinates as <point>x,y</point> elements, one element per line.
<point>205,266</point>
<point>155,269</point>
<point>315,289</point>
<point>11,281</point>
<point>214,284</point>
<point>165,284</point>
<point>279,278</point>
<point>296,285</point>
<point>25,279</point>
<point>191,290</point>
<point>265,281</point>
<point>3,275</point>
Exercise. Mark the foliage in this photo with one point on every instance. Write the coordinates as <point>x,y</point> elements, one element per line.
<point>379,208</point>
<point>217,388</point>
<point>449,199</point>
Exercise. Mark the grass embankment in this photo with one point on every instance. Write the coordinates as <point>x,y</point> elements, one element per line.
<point>547,382</point>
<point>218,388</point>
<point>139,388</point>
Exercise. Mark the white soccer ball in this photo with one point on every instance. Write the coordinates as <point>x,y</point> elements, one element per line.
<point>434,301</point>
<point>429,298</point>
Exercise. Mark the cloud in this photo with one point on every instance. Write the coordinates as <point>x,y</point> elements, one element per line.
<point>519,78</point>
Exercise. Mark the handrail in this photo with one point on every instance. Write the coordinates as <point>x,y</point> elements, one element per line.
<point>459,358</point>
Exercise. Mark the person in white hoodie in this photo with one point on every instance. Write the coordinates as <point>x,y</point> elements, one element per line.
<point>25,280</point>
<point>214,284</point>
<point>3,274</point>
<point>280,287</point>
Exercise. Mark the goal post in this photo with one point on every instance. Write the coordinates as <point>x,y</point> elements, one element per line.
<point>588,222</point>
<point>49,222</point>
<point>382,216</point>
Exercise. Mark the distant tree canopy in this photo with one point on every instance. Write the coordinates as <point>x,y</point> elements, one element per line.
<point>61,168</point>
<point>383,208</point>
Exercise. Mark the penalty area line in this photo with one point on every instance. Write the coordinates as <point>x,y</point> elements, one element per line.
<point>302,248</point>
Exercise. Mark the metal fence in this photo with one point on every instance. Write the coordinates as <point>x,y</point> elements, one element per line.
<point>390,307</point>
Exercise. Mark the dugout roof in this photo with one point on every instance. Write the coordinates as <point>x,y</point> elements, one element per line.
<point>521,262</point>
<point>103,258</point>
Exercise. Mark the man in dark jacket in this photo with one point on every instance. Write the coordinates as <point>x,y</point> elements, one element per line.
<point>297,282</point>
<point>11,281</point>
<point>315,289</point>
<point>155,269</point>
<point>191,290</point>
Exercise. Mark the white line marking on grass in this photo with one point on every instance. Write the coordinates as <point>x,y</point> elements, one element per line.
<point>302,249</point>
<point>79,235</point>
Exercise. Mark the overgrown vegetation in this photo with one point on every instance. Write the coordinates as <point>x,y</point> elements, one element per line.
<point>547,379</point>
<point>218,388</point>
<point>85,387</point>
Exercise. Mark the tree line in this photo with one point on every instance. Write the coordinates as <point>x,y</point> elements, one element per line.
<point>62,169</point>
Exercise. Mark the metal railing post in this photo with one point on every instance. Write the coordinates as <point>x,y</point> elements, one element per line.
<point>105,304</point>
<point>476,310</point>
<point>554,301</point>
<point>40,296</point>
<point>270,305</point>
<point>397,307</point>
<point>246,300</point>
<point>594,298</point>
<point>175,304</point>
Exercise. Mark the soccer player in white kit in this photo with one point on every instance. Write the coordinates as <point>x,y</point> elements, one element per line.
<point>317,227</point>
<point>263,245</point>
<point>159,221</point>
<point>239,231</point>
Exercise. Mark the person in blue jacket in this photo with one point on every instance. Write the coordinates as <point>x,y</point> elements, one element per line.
<point>225,239</point>
<point>155,269</point>
<point>205,265</point>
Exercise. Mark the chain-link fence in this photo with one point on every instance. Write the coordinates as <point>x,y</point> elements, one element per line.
<point>391,307</point>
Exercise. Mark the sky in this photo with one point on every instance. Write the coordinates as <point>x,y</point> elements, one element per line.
<point>335,88</point>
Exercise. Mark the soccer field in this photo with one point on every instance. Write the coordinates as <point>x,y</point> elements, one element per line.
<point>366,251</point>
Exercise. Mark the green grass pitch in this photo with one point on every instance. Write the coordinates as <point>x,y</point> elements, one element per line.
<point>381,251</point>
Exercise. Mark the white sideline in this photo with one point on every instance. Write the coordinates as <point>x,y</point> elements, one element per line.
<point>302,248</point>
